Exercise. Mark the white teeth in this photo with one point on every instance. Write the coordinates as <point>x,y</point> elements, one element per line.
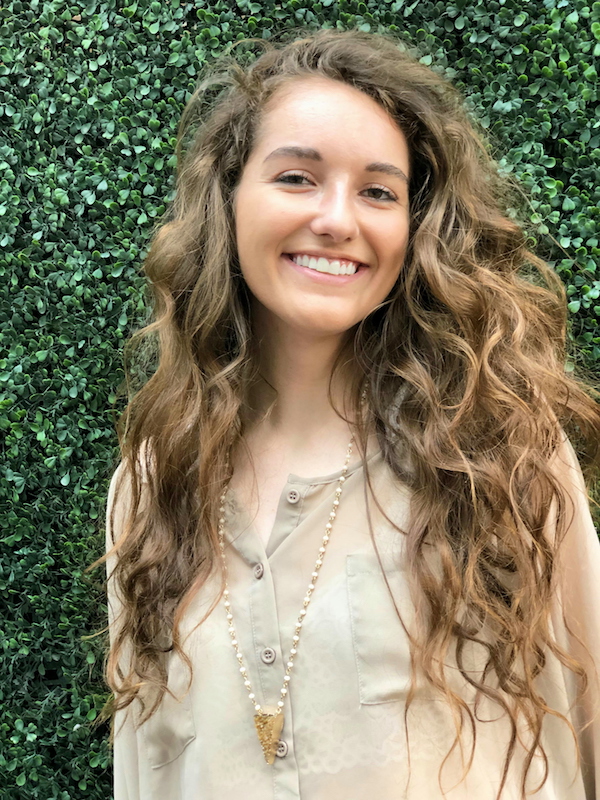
<point>324,265</point>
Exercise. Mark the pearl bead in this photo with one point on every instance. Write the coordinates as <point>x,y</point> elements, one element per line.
<point>247,684</point>
<point>284,691</point>
<point>280,703</point>
<point>342,479</point>
<point>303,613</point>
<point>314,575</point>
<point>290,664</point>
<point>329,526</point>
<point>287,679</point>
<point>257,707</point>
<point>229,617</point>
<point>295,638</point>
<point>293,651</point>
<point>251,696</point>
<point>321,550</point>
<point>311,586</point>
<point>319,562</point>
<point>243,670</point>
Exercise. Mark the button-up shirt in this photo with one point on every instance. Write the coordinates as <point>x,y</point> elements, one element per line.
<point>344,735</point>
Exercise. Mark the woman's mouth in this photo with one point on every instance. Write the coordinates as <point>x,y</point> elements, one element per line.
<point>323,273</point>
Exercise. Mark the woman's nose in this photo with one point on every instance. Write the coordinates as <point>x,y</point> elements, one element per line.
<point>336,215</point>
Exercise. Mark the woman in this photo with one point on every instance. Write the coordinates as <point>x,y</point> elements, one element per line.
<point>360,390</point>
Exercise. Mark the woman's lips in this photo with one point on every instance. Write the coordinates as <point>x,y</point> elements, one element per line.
<point>325,277</point>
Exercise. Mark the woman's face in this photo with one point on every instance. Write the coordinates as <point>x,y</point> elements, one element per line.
<point>328,177</point>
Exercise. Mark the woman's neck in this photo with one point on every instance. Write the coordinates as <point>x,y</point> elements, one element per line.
<point>298,367</point>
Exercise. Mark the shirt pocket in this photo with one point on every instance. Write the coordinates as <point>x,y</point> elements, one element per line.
<point>171,728</point>
<point>381,645</point>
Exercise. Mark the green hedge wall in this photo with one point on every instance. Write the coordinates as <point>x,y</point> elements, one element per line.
<point>90,97</point>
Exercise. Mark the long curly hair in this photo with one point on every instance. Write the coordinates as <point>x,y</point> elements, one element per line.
<point>463,365</point>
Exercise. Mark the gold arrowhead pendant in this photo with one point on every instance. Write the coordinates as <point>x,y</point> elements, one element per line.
<point>268,726</point>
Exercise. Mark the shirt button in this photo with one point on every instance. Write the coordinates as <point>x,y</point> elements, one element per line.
<point>293,496</point>
<point>259,571</point>
<point>282,749</point>
<point>268,655</point>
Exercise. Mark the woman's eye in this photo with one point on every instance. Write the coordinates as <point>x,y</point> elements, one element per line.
<point>285,178</point>
<point>389,197</point>
<point>290,176</point>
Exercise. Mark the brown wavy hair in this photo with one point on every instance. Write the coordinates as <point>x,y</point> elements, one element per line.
<point>464,367</point>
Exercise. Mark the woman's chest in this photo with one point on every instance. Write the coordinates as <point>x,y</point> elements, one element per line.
<point>260,499</point>
<point>269,483</point>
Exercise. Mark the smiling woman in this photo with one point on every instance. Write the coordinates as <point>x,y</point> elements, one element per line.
<point>349,545</point>
<point>334,212</point>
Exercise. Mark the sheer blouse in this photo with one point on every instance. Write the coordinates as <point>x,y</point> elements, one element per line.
<point>344,734</point>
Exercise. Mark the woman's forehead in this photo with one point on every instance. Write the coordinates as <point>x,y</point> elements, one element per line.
<point>322,111</point>
<point>320,92</point>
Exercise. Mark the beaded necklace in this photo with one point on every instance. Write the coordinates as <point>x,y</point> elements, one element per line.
<point>268,720</point>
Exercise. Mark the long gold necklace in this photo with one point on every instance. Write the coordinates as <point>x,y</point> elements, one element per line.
<point>268,720</point>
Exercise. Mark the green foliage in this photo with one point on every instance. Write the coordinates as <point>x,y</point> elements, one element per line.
<point>90,97</point>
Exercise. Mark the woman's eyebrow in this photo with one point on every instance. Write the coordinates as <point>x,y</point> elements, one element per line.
<point>314,155</point>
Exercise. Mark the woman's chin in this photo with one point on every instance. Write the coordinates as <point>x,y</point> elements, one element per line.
<point>321,321</point>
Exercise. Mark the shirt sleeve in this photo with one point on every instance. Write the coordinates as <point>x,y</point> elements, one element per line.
<point>125,753</point>
<point>578,566</point>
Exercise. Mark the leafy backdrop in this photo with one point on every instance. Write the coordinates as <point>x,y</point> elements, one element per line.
<point>90,97</point>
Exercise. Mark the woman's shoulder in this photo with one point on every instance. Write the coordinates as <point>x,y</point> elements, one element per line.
<point>120,490</point>
<point>144,464</point>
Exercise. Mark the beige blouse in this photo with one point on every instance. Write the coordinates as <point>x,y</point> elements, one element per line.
<point>344,735</point>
